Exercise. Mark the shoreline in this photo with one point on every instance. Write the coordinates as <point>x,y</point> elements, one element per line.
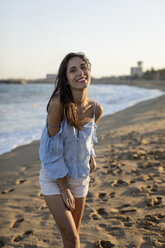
<point>105,124</point>
<point>142,83</point>
<point>126,195</point>
<point>162,89</point>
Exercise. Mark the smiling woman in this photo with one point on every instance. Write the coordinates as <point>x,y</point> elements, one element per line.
<point>74,69</point>
<point>77,73</point>
<point>66,146</point>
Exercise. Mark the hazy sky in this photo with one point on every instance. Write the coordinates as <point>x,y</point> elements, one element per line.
<point>114,35</point>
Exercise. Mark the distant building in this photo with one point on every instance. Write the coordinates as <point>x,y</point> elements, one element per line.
<point>137,71</point>
<point>51,76</point>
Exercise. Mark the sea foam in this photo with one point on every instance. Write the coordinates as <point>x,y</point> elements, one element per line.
<point>23,108</point>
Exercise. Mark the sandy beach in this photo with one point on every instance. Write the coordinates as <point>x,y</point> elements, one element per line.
<point>125,205</point>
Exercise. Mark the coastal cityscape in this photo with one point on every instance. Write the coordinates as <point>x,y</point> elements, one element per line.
<point>136,73</point>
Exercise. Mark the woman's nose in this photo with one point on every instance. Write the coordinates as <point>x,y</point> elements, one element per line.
<point>80,72</point>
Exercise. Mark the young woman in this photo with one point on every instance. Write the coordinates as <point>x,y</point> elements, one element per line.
<point>66,146</point>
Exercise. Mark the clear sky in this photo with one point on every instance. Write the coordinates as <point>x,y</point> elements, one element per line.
<point>114,35</point>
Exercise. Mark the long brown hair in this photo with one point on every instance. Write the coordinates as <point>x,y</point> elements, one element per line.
<point>63,89</point>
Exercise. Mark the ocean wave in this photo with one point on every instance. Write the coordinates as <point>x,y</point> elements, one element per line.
<point>23,108</point>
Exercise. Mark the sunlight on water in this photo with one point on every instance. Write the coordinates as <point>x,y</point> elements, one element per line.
<point>23,108</point>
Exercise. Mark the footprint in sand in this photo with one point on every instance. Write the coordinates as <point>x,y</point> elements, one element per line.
<point>103,196</point>
<point>151,223</point>
<point>128,224</point>
<point>7,191</point>
<point>147,242</point>
<point>19,237</point>
<point>126,208</point>
<point>113,230</point>
<point>126,220</point>
<point>134,191</point>
<point>104,244</point>
<point>115,172</point>
<point>20,181</point>
<point>131,246</point>
<point>160,216</point>
<point>106,166</point>
<point>112,194</point>
<point>94,215</point>
<point>16,223</point>
<point>98,214</point>
<point>152,218</point>
<point>2,241</point>
<point>153,188</point>
<point>89,197</point>
<point>119,183</point>
<point>103,213</point>
<point>154,201</point>
<point>129,210</point>
<point>134,172</point>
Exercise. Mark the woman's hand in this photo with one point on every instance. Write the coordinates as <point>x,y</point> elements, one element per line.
<point>67,196</point>
<point>92,163</point>
<point>68,199</point>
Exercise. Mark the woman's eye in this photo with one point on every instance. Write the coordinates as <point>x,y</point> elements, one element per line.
<point>84,67</point>
<point>72,70</point>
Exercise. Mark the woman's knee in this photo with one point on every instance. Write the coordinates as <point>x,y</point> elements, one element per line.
<point>70,235</point>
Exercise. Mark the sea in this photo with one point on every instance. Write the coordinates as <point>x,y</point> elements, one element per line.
<point>23,108</point>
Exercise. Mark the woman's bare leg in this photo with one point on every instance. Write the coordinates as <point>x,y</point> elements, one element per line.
<point>64,221</point>
<point>79,210</point>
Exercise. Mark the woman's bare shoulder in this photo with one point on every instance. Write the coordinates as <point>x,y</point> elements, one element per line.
<point>55,109</point>
<point>99,109</point>
<point>54,116</point>
<point>55,103</point>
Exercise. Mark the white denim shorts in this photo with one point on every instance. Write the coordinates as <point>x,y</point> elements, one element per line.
<point>78,186</point>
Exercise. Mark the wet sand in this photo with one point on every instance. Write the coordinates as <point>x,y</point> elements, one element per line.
<point>125,206</point>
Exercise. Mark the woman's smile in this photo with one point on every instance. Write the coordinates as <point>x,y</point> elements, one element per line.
<point>82,79</point>
<point>78,74</point>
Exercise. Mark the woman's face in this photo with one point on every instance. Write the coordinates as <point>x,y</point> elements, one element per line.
<point>78,73</point>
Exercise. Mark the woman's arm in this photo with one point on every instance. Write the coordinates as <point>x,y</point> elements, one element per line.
<point>99,111</point>
<point>67,196</point>
<point>55,117</point>
<point>92,163</point>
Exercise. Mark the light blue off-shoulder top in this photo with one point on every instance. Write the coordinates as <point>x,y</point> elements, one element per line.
<point>68,152</point>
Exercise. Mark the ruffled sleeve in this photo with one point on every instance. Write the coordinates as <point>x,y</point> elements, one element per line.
<point>94,139</point>
<point>51,154</point>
